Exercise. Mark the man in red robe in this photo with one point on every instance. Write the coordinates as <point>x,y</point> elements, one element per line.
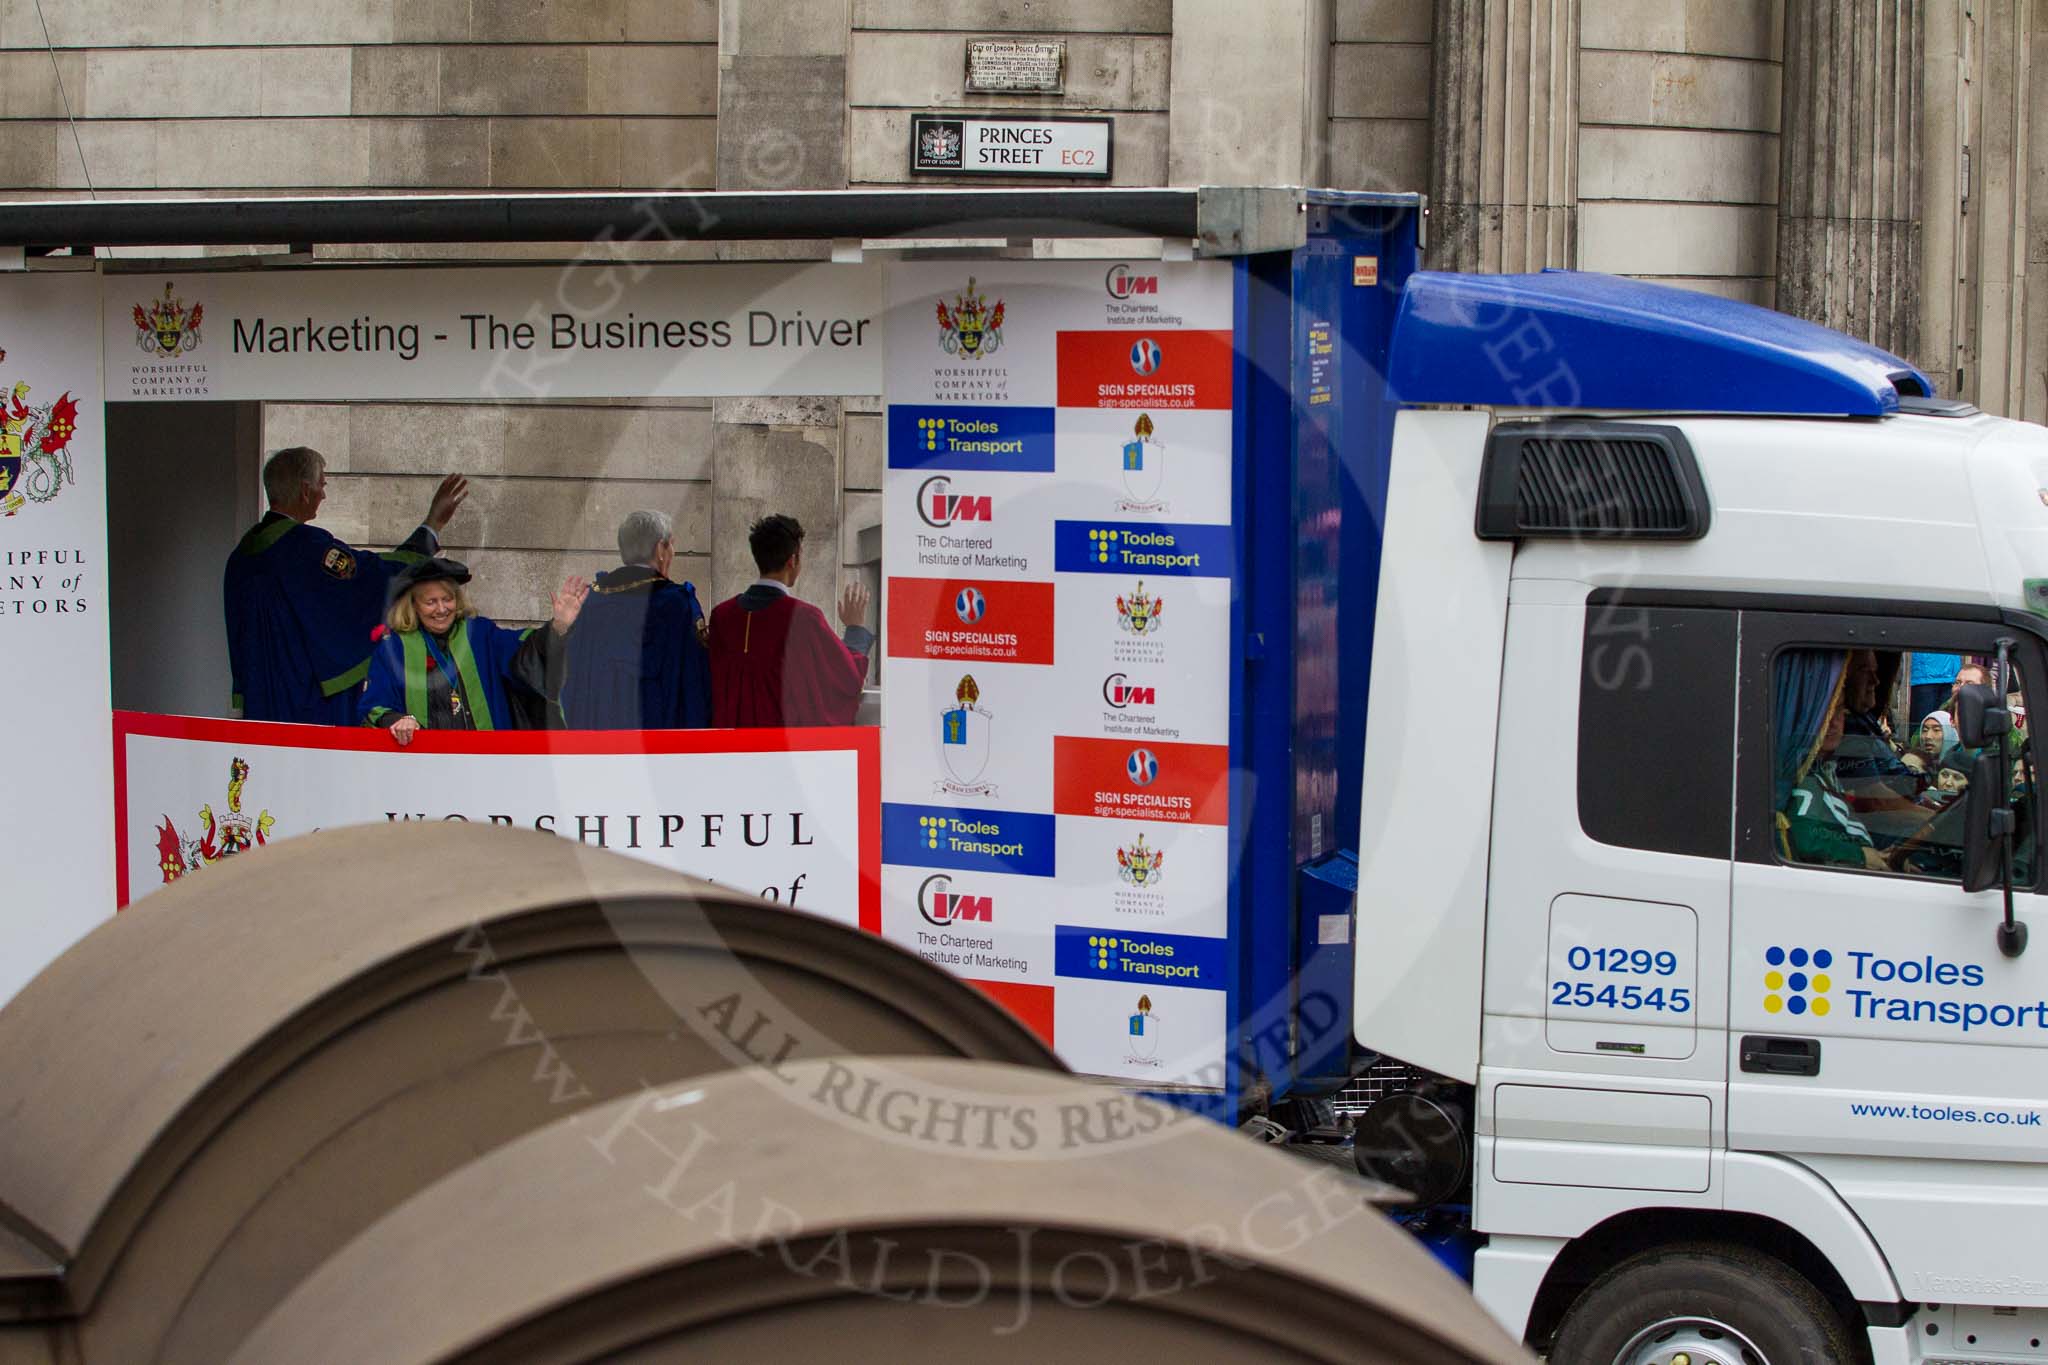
<point>774,659</point>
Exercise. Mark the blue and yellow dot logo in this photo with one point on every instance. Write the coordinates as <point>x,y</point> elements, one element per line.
<point>1104,540</point>
<point>931,825</point>
<point>930,427</point>
<point>1796,981</point>
<point>1104,949</point>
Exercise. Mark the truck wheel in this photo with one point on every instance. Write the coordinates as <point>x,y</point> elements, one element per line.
<point>1702,1304</point>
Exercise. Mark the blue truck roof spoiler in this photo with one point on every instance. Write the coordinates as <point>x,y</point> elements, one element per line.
<point>1572,339</point>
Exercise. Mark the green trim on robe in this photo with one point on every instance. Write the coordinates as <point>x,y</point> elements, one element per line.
<point>472,683</point>
<point>262,537</point>
<point>342,683</point>
<point>414,643</point>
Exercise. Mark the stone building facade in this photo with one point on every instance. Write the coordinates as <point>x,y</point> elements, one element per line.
<point>1865,162</point>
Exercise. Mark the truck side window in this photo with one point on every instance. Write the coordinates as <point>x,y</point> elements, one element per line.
<point>1657,728</point>
<point>1861,783</point>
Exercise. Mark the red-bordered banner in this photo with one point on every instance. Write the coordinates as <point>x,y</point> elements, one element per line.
<point>794,815</point>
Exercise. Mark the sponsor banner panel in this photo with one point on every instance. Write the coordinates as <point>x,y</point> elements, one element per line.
<point>1123,547</point>
<point>972,736</point>
<point>978,924</point>
<point>1058,704</point>
<point>1002,440</point>
<point>1144,874</point>
<point>592,331</point>
<point>786,814</point>
<point>1143,704</point>
<point>950,525</point>
<point>59,873</point>
<point>1034,1005</point>
<point>1099,954</point>
<point>1175,628</point>
<point>969,338</point>
<point>1173,466</point>
<point>1156,369</point>
<point>1154,1034</point>
<point>984,332</point>
<point>975,620</point>
<point>1115,779</point>
<point>1023,843</point>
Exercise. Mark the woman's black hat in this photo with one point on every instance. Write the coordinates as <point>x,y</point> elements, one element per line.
<point>427,571</point>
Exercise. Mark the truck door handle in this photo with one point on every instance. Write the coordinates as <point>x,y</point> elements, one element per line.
<point>1781,1056</point>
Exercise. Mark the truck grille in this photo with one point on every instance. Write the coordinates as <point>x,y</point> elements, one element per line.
<point>1372,1085</point>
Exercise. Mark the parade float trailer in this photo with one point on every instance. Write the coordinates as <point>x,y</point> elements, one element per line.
<point>1294,665</point>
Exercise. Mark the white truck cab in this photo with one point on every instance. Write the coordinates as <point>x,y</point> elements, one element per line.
<point>1753,1077</point>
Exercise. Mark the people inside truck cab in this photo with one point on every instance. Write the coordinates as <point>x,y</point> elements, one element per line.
<point>1819,818</point>
<point>1938,738</point>
<point>1816,821</point>
<point>1866,764</point>
<point>1931,682</point>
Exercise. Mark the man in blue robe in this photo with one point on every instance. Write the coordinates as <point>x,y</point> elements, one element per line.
<point>300,604</point>
<point>637,660</point>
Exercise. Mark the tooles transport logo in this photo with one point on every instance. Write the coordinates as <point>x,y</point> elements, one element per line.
<point>1797,981</point>
<point>1875,986</point>
<point>941,905</point>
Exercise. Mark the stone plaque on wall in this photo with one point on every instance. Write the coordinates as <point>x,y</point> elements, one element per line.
<point>1003,67</point>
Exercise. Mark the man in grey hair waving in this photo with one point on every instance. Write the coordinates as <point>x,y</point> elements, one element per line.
<point>637,660</point>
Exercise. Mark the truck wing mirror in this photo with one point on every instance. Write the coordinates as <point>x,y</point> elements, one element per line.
<point>1987,823</point>
<point>1981,716</point>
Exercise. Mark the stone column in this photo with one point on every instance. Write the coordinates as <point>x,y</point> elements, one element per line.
<point>1503,164</point>
<point>781,126</point>
<point>1849,169</point>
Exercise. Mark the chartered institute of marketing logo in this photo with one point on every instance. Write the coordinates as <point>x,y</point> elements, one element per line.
<point>938,506</point>
<point>1119,692</point>
<point>1145,355</point>
<point>973,327</point>
<point>166,328</point>
<point>221,836</point>
<point>964,741</point>
<point>1138,612</point>
<point>1144,469</point>
<point>1142,767</point>
<point>969,606</point>
<point>1796,980</point>
<point>1122,282</point>
<point>35,441</point>
<point>941,905</point>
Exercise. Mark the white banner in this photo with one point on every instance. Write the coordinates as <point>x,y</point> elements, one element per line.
<point>58,880</point>
<point>615,330</point>
<point>1057,543</point>
<point>784,814</point>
